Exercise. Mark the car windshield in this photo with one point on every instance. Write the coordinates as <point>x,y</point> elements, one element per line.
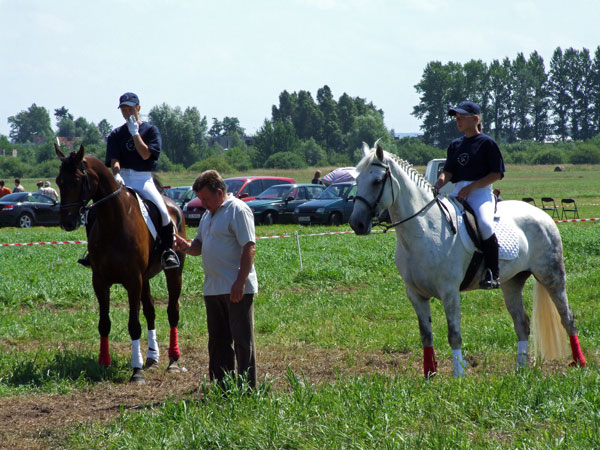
<point>176,193</point>
<point>275,192</point>
<point>233,186</point>
<point>16,197</point>
<point>334,191</point>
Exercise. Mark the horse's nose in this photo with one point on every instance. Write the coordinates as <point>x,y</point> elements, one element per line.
<point>359,226</point>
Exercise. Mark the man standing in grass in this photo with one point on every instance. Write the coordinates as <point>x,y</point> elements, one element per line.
<point>226,240</point>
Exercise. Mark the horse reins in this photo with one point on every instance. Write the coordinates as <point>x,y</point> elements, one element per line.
<point>373,207</point>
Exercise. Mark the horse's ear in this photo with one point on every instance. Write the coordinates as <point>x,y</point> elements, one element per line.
<point>80,153</point>
<point>379,153</point>
<point>365,149</point>
<point>60,154</point>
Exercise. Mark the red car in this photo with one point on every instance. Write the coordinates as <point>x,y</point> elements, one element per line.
<point>245,188</point>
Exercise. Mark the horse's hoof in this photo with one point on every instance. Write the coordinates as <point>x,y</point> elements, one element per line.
<point>137,377</point>
<point>173,366</point>
<point>151,364</point>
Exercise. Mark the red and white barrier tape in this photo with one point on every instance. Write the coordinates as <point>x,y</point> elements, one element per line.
<point>595,219</point>
<point>329,233</point>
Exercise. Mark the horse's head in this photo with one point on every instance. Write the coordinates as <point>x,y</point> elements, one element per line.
<point>374,189</point>
<point>74,186</point>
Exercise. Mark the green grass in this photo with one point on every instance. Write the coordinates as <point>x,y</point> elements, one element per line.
<point>532,410</point>
<point>347,298</point>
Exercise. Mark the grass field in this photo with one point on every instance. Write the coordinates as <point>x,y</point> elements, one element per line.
<point>339,355</point>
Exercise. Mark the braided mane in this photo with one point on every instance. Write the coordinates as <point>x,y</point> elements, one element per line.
<point>405,166</point>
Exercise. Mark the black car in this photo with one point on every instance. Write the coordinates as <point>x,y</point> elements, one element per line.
<point>333,207</point>
<point>276,204</point>
<point>26,209</point>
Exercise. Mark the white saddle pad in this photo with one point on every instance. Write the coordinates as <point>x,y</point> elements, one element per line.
<point>146,216</point>
<point>506,233</point>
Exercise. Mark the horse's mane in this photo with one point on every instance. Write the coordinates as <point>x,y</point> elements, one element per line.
<point>412,173</point>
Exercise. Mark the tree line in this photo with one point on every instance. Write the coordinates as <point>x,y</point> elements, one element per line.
<point>538,117</point>
<point>519,98</point>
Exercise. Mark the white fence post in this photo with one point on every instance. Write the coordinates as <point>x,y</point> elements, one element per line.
<point>299,250</point>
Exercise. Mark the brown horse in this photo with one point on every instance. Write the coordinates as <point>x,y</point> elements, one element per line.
<point>121,250</point>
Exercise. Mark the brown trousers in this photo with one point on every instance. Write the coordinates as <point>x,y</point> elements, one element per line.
<point>230,337</point>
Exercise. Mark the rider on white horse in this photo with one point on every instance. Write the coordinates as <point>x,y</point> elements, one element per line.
<point>474,162</point>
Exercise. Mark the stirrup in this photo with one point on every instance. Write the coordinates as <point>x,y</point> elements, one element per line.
<point>85,260</point>
<point>169,259</point>
<point>488,281</point>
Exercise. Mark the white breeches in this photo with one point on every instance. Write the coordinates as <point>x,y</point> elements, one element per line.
<point>482,202</point>
<point>144,184</point>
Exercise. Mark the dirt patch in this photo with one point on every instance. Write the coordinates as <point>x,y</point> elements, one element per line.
<point>35,421</point>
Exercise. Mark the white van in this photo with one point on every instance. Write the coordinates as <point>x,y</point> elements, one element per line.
<point>432,172</point>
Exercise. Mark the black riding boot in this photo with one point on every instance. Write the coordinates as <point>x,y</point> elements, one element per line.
<point>169,258</point>
<point>490,258</point>
<point>89,221</point>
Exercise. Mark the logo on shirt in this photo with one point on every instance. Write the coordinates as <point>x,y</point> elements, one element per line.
<point>463,159</point>
<point>130,145</point>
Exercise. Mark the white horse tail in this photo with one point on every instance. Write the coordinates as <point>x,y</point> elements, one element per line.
<point>550,340</point>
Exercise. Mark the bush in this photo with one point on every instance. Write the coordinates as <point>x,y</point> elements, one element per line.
<point>285,160</point>
<point>217,163</point>
<point>552,156</point>
<point>238,158</point>
<point>46,169</point>
<point>13,167</point>
<point>586,153</point>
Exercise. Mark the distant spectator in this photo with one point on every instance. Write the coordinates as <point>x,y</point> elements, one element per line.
<point>3,189</point>
<point>18,186</point>
<point>49,191</point>
<point>40,185</point>
<point>317,178</point>
<point>497,194</point>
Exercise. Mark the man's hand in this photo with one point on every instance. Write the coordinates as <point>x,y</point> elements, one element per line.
<point>237,291</point>
<point>133,126</point>
<point>119,179</point>
<point>180,244</point>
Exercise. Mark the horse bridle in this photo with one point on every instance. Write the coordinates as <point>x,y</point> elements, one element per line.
<point>387,176</point>
<point>373,207</point>
<point>86,195</point>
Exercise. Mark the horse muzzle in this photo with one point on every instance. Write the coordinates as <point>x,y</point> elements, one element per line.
<point>70,222</point>
<point>360,223</point>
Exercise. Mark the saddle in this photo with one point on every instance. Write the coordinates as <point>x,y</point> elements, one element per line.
<point>151,216</point>
<point>470,221</point>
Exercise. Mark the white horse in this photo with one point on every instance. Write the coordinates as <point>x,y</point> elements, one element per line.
<point>433,261</point>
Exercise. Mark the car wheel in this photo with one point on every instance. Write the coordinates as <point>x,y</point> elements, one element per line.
<point>335,219</point>
<point>25,221</point>
<point>269,218</point>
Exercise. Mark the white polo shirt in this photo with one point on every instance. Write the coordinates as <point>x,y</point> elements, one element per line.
<point>223,236</point>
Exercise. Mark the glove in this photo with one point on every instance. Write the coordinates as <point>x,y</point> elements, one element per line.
<point>133,126</point>
<point>119,179</point>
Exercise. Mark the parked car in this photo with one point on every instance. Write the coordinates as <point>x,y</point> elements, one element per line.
<point>432,172</point>
<point>277,203</point>
<point>333,206</point>
<point>180,195</point>
<point>245,188</point>
<point>26,209</point>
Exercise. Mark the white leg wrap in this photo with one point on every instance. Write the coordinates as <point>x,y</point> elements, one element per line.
<point>153,352</point>
<point>522,354</point>
<point>137,362</point>
<point>458,364</point>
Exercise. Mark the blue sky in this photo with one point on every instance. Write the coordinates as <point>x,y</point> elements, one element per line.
<point>233,58</point>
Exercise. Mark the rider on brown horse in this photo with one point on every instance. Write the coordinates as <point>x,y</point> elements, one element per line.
<point>132,151</point>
